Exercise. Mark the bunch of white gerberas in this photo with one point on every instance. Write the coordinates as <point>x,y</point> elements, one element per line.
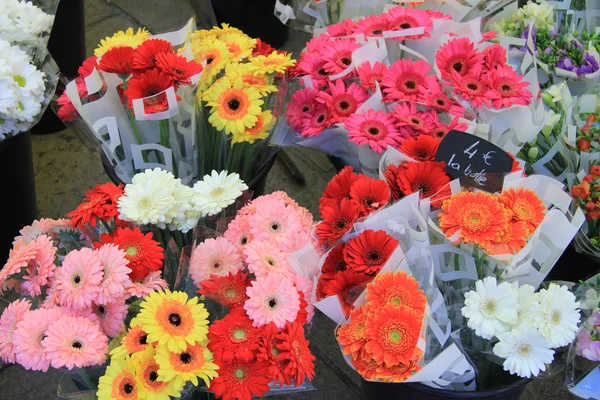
<point>24,24</point>
<point>155,197</point>
<point>22,89</point>
<point>528,325</point>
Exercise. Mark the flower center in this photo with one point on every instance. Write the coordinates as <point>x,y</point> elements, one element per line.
<point>410,85</point>
<point>239,334</point>
<point>175,319</point>
<point>472,86</point>
<point>131,251</point>
<point>128,388</point>
<point>373,131</point>
<point>271,262</point>
<point>440,102</point>
<point>153,376</point>
<point>185,358</point>
<point>230,293</point>
<point>346,61</point>
<point>239,373</point>
<point>275,226</point>
<point>233,104</point>
<point>344,105</point>
<point>77,345</point>
<point>377,32</point>
<point>143,339</point>
<point>272,302</point>
<point>216,265</point>
<point>341,224</point>
<point>209,60</point>
<point>506,88</point>
<point>489,308</point>
<point>373,256</point>
<point>305,109</point>
<point>217,192</point>
<point>21,81</point>
<point>101,309</point>
<point>77,279</point>
<point>244,240</point>
<point>320,118</point>
<point>395,336</point>
<point>555,317</point>
<point>524,349</point>
<point>405,25</point>
<point>457,66</point>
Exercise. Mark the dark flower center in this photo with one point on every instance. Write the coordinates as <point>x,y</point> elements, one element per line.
<point>423,187</point>
<point>272,303</point>
<point>305,109</point>
<point>320,118</point>
<point>341,224</point>
<point>233,104</point>
<point>440,102</point>
<point>346,61</point>
<point>244,240</point>
<point>76,279</point>
<point>175,319</point>
<point>415,121</point>
<point>506,88</point>
<point>185,358</point>
<point>275,226</point>
<point>178,71</point>
<point>377,32</point>
<point>405,25</point>
<point>410,85</point>
<point>472,86</point>
<point>128,388</point>
<point>209,60</point>
<point>373,131</point>
<point>422,153</point>
<point>101,309</point>
<point>77,345</point>
<point>340,266</point>
<point>153,376</point>
<point>344,105</point>
<point>457,66</point>
<point>373,256</point>
<point>143,339</point>
<point>322,72</point>
<point>368,201</point>
<point>217,265</point>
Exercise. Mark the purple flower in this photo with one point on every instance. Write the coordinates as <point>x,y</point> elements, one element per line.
<point>525,35</point>
<point>566,64</point>
<point>590,65</point>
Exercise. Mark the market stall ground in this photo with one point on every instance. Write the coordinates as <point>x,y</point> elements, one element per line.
<point>65,169</point>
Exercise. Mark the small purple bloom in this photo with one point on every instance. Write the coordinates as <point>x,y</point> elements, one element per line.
<point>566,64</point>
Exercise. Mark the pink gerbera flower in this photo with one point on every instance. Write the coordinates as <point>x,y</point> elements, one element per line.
<point>316,122</point>
<point>44,226</point>
<point>28,336</point>
<point>272,298</point>
<point>115,273</point>
<point>341,29</point>
<point>373,25</point>
<point>440,130</point>
<point>370,74</point>
<point>238,232</point>
<point>51,299</point>
<point>407,114</point>
<point>214,257</point>
<point>472,87</point>
<point>317,44</point>
<point>338,55</point>
<point>110,316</point>
<point>404,78</point>
<point>459,55</point>
<point>19,257</point>
<point>302,102</point>
<point>11,316</point>
<point>401,18</point>
<point>341,100</point>
<point>507,87</point>
<point>79,278</point>
<point>279,224</point>
<point>151,283</point>
<point>313,64</point>
<point>41,268</point>
<point>433,96</point>
<point>305,285</point>
<point>263,259</point>
<point>373,128</point>
<point>494,56</point>
<point>75,342</point>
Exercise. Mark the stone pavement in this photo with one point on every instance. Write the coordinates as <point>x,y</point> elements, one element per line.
<point>65,169</point>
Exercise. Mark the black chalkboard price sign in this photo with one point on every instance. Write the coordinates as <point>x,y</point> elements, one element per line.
<point>475,161</point>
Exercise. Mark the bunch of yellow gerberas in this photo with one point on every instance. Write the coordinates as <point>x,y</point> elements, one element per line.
<point>164,348</point>
<point>235,94</point>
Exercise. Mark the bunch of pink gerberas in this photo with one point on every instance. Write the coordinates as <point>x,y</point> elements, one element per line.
<point>415,101</point>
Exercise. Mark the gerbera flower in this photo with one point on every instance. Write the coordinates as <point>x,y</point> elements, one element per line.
<point>279,224</point>
<point>391,174</point>
<point>152,282</point>
<point>176,66</point>
<point>261,48</point>
<point>400,372</point>
<point>238,231</point>
<point>239,44</point>
<point>338,55</point>
<point>266,350</point>
<point>119,381</point>
<point>43,226</point>
<point>133,343</point>
<point>28,336</point>
<point>369,74</point>
<point>339,186</point>
<point>426,177</point>
<point>216,55</point>
<point>11,316</point>
<point>303,101</point>
<point>370,193</point>
<point>440,130</point>
<point>272,298</point>
<point>241,381</point>
<point>369,251</point>
<point>87,66</point>
<point>273,63</point>
<point>313,65</point>
<point>404,78</point>
<point>491,308</point>
<point>233,337</point>
<point>149,86</point>
<point>494,56</point>
<point>373,25</point>
<point>144,56</point>
<point>340,29</point>
<point>149,382</point>
<point>251,77</point>
<point>525,206</point>
<point>421,148</point>
<point>351,335</point>
<point>260,131</point>
<point>111,316</point>
<point>89,210</point>
<point>40,269</point>
<point>79,278</point>
<point>173,320</point>
<point>348,286</point>
<point>315,123</point>
<point>122,38</point>
<point>118,60</point>
<point>334,262</point>
<point>401,18</point>
<point>472,87</point>
<point>392,334</point>
<point>192,362</point>
<point>408,115</point>
<point>338,219</point>
<point>216,192</point>
<point>115,273</point>
<point>375,128</point>
<point>214,257</point>
<point>341,100</point>
<point>525,351</point>
<point>433,96</point>
<point>557,318</point>
<point>507,88</point>
<point>366,366</point>
<point>459,55</point>
<point>229,290</point>
<point>479,217</point>
<point>294,348</point>
<point>511,240</point>
<point>143,253</point>
<point>398,289</point>
<point>75,342</point>
<point>263,259</point>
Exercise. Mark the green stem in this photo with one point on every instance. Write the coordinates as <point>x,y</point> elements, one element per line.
<point>247,162</point>
<point>166,142</point>
<point>178,239</point>
<point>106,226</point>
<point>86,379</point>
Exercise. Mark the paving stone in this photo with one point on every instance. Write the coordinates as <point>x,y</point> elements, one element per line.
<point>157,15</point>
<point>98,10</point>
<point>106,27</point>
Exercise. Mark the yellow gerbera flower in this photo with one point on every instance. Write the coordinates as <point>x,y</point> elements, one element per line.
<point>225,29</point>
<point>259,131</point>
<point>215,54</point>
<point>172,320</point>
<point>251,77</point>
<point>234,106</point>
<point>150,384</point>
<point>127,38</point>
<point>196,361</point>
<point>240,45</point>
<point>274,62</point>
<point>118,382</point>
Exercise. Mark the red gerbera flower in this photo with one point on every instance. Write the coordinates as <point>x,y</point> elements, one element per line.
<point>370,194</point>
<point>229,291</point>
<point>302,316</point>
<point>233,337</point>
<point>427,177</point>
<point>150,86</point>
<point>87,66</point>
<point>339,187</point>
<point>391,176</point>
<point>266,350</point>
<point>369,251</point>
<point>240,381</point>
<point>348,286</point>
<point>144,253</point>
<point>335,262</point>
<point>118,60</point>
<point>338,218</point>
<point>421,148</point>
<point>144,56</point>
<point>262,49</point>
<point>294,348</point>
<point>180,69</point>
<point>91,208</point>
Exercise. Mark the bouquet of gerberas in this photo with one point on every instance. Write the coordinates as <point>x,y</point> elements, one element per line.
<point>262,300</point>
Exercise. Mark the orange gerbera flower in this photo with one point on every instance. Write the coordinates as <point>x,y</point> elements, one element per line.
<point>398,289</point>
<point>369,251</point>
<point>511,240</point>
<point>402,371</point>
<point>479,217</point>
<point>421,148</point>
<point>294,348</point>
<point>392,334</point>
<point>134,342</point>
<point>366,366</point>
<point>525,205</point>
<point>351,335</point>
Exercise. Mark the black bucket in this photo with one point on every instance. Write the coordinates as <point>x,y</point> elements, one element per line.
<point>573,267</point>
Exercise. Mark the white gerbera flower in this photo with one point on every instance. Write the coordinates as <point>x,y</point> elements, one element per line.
<point>216,192</point>
<point>542,12</point>
<point>149,198</point>
<point>529,302</point>
<point>557,316</point>
<point>491,308</point>
<point>183,216</point>
<point>525,350</point>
